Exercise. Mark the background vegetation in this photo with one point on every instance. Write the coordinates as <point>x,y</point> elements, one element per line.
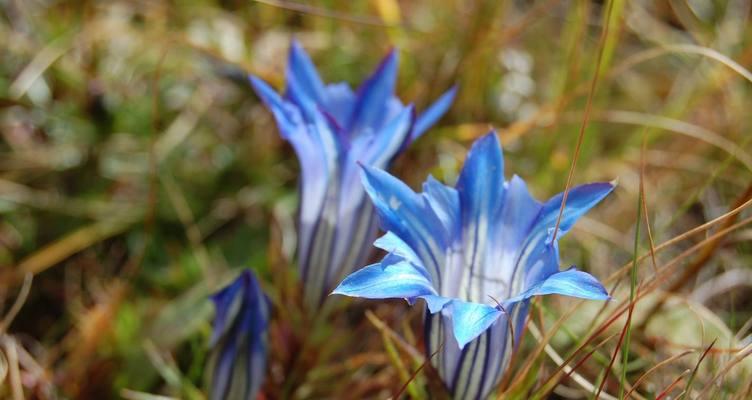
<point>138,172</point>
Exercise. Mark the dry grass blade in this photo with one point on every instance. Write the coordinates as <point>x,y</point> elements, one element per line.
<point>381,326</point>
<point>655,368</point>
<point>586,117</point>
<point>129,394</point>
<point>16,307</point>
<point>705,255</point>
<point>671,387</point>
<point>676,239</point>
<point>665,273</point>
<point>572,371</point>
<point>677,126</point>
<point>644,203</point>
<point>731,364</point>
<point>694,371</point>
<point>43,60</point>
<point>417,371</point>
<point>616,352</point>
<point>10,350</point>
<point>68,245</point>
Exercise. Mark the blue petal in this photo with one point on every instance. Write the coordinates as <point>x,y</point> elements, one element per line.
<point>408,216</point>
<point>302,76</point>
<point>391,243</point>
<point>435,303</point>
<point>539,257</point>
<point>481,191</point>
<point>227,304</point>
<point>287,115</point>
<point>378,281</point>
<point>378,148</point>
<point>571,282</point>
<point>538,260</point>
<point>374,95</point>
<point>238,356</point>
<point>511,230</point>
<point>375,149</point>
<point>469,320</point>
<point>445,203</point>
<point>340,100</point>
<point>580,199</point>
<point>319,153</point>
<point>433,113</point>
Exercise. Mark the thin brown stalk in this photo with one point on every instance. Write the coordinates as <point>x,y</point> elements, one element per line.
<point>736,360</point>
<point>616,352</point>
<point>645,213</point>
<point>671,387</point>
<point>697,367</point>
<point>694,268</point>
<point>16,307</point>
<point>664,274</point>
<point>417,371</point>
<point>381,326</point>
<point>653,369</point>
<point>586,117</point>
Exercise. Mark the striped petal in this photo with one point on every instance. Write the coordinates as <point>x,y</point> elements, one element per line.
<point>445,202</point>
<point>572,282</point>
<point>408,216</point>
<point>469,320</point>
<point>391,243</point>
<point>374,95</point>
<point>481,192</point>
<point>301,75</point>
<point>398,280</point>
<point>510,232</point>
<point>237,362</point>
<point>474,371</point>
<point>377,149</point>
<point>579,201</point>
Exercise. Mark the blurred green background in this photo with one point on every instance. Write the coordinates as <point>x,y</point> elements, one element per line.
<point>138,171</point>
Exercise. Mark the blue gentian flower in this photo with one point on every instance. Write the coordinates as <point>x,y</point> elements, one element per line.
<point>237,363</point>
<point>333,128</point>
<point>476,254</point>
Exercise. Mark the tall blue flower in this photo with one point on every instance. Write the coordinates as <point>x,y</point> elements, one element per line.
<point>237,362</point>
<point>476,254</point>
<point>333,128</point>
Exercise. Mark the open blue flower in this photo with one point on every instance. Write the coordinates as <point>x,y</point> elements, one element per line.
<point>237,363</point>
<point>476,254</point>
<point>332,128</point>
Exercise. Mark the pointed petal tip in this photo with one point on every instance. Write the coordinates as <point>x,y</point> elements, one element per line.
<point>450,94</point>
<point>489,139</point>
<point>433,113</point>
<point>296,49</point>
<point>340,291</point>
<point>389,61</point>
<point>470,320</point>
<point>254,80</point>
<point>392,54</point>
<point>262,89</point>
<point>367,171</point>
